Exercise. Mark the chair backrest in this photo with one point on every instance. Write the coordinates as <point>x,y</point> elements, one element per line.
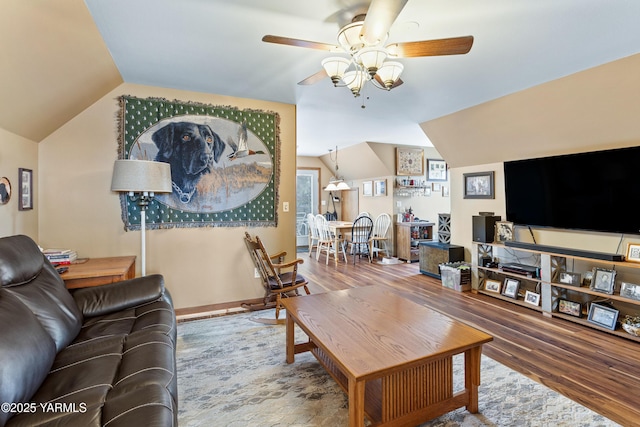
<point>311,222</point>
<point>381,225</point>
<point>361,229</point>
<point>262,261</point>
<point>322,226</point>
<point>364,214</point>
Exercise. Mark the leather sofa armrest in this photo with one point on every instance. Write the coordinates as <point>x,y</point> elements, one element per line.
<point>105,299</point>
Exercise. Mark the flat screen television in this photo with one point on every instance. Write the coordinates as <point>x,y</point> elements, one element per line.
<point>596,191</point>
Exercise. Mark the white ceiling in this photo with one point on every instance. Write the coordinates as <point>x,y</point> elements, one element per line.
<point>215,46</point>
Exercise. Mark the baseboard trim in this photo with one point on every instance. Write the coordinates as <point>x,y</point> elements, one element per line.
<point>213,310</point>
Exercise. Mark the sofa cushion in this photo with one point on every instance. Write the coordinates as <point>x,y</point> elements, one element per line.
<point>29,276</point>
<point>26,353</point>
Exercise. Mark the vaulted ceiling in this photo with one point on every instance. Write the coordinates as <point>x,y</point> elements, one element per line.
<point>60,57</point>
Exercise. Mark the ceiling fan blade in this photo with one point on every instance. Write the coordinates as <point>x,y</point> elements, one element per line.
<point>300,43</point>
<point>314,78</point>
<point>452,46</point>
<point>380,16</point>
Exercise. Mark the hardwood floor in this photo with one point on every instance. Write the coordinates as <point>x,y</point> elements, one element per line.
<point>596,369</point>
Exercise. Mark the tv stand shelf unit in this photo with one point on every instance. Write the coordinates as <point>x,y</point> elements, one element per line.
<point>548,286</point>
<point>408,237</point>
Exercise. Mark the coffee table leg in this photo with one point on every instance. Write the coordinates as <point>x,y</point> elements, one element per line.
<point>289,339</point>
<point>356,403</point>
<point>472,376</point>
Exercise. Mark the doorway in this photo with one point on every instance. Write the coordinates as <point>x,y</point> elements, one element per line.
<point>307,201</point>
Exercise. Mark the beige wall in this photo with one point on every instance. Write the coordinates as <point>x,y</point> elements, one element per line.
<point>201,266</point>
<point>18,152</point>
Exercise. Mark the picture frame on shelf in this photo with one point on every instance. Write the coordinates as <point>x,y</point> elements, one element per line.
<point>633,252</point>
<point>587,278</point>
<point>504,231</point>
<point>380,187</point>
<point>492,285</point>
<point>571,308</point>
<point>569,278</point>
<point>25,189</point>
<point>367,188</point>
<point>630,290</point>
<point>479,185</point>
<point>604,280</point>
<point>532,298</point>
<point>511,287</point>
<point>603,315</point>
<point>436,170</point>
<point>409,161</point>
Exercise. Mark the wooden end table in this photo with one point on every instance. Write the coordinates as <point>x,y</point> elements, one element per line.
<point>391,356</point>
<point>99,271</point>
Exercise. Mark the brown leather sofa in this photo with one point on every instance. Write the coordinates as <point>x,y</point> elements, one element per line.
<point>102,356</point>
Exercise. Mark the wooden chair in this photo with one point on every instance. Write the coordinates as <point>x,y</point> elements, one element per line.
<point>313,232</point>
<point>278,284</point>
<point>379,235</point>
<point>359,241</point>
<point>326,241</point>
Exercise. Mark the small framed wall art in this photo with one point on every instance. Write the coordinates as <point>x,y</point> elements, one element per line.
<point>25,189</point>
<point>479,185</point>
<point>409,161</point>
<point>367,188</point>
<point>436,170</point>
<point>380,187</point>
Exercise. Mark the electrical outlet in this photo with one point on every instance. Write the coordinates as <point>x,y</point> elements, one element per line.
<point>256,273</point>
<point>285,206</point>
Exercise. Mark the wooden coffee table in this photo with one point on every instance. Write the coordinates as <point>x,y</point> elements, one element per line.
<point>391,356</point>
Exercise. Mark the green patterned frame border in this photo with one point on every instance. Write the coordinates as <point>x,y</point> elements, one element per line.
<point>136,115</point>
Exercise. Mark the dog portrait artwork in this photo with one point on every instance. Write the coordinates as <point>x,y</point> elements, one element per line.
<point>216,164</point>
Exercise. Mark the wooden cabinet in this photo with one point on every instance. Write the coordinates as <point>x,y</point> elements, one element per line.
<point>432,254</point>
<point>99,271</point>
<point>552,283</point>
<point>408,237</point>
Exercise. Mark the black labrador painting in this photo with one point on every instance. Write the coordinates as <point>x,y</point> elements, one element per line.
<point>216,164</point>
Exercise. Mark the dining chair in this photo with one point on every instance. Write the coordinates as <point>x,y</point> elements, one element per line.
<point>327,241</point>
<point>313,232</point>
<point>379,240</point>
<point>358,241</point>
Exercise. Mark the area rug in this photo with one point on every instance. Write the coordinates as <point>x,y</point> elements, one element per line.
<point>232,372</point>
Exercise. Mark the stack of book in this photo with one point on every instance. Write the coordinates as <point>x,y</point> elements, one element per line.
<point>60,256</point>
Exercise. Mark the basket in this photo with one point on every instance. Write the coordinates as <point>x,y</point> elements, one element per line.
<point>456,276</point>
<point>631,325</point>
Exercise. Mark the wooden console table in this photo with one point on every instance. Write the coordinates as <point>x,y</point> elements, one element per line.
<point>99,271</point>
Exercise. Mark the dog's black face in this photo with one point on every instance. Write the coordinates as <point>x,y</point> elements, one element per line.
<point>190,149</point>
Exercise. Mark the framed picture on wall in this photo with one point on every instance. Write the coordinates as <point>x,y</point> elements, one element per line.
<point>367,188</point>
<point>479,185</point>
<point>409,161</point>
<point>436,170</point>
<point>25,189</point>
<point>380,187</point>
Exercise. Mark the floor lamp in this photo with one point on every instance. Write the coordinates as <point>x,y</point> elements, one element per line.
<point>141,179</point>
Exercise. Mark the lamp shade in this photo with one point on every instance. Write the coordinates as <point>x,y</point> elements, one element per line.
<point>141,175</point>
<point>390,72</point>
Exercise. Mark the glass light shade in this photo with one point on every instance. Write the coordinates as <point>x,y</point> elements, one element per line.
<point>335,67</point>
<point>390,72</point>
<point>349,36</point>
<point>343,186</point>
<point>354,81</point>
<point>141,175</point>
<point>371,58</point>
<point>331,187</point>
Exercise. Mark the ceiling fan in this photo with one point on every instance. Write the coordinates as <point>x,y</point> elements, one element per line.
<point>363,40</point>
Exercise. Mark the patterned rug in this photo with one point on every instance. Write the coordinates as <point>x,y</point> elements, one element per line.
<point>232,372</point>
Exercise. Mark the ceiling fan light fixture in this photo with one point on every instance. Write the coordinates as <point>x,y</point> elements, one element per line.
<point>389,73</point>
<point>342,186</point>
<point>335,67</point>
<point>349,37</point>
<point>354,81</point>
<point>371,58</point>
